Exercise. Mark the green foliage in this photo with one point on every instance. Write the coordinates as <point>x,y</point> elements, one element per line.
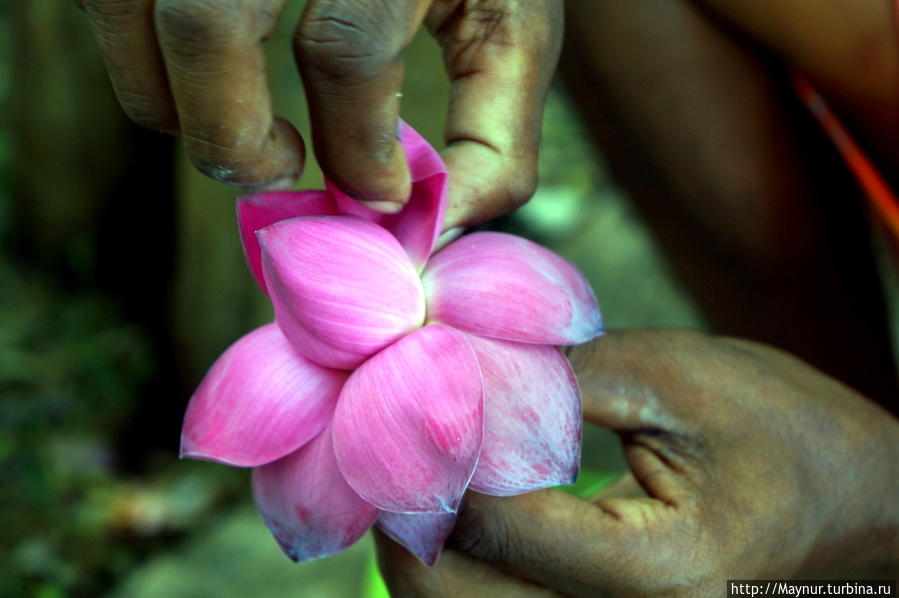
<point>590,483</point>
<point>374,586</point>
<point>71,372</point>
<point>68,373</point>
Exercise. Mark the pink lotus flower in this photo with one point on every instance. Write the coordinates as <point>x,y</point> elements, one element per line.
<point>393,379</point>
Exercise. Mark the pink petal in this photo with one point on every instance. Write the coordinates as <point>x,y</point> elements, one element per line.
<point>342,287</point>
<point>423,534</point>
<point>307,505</point>
<point>503,286</point>
<point>417,226</point>
<point>532,418</point>
<point>255,212</point>
<point>259,402</point>
<point>409,423</point>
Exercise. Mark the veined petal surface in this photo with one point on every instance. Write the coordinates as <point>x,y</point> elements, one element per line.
<point>409,423</point>
<point>259,401</point>
<point>307,505</point>
<point>256,211</point>
<point>342,287</point>
<point>423,534</point>
<point>502,286</point>
<point>417,226</point>
<point>532,418</point>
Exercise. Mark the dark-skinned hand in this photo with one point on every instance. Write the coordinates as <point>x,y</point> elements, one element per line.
<point>745,463</point>
<point>197,67</point>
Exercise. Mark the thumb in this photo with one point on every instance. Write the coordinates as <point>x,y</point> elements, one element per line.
<point>639,384</point>
<point>634,383</point>
<point>573,546</point>
<point>641,380</point>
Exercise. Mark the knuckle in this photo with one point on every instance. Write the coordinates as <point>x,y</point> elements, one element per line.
<point>344,40</point>
<point>477,542</point>
<point>199,23</point>
<point>521,185</point>
<point>483,534</point>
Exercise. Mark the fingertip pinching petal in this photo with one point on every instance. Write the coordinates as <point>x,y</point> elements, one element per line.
<point>256,211</point>
<point>418,225</point>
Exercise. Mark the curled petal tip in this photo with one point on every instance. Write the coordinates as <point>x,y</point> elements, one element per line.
<point>183,453</point>
<point>260,210</point>
<point>307,505</point>
<point>422,535</point>
<point>417,223</point>
<point>585,326</point>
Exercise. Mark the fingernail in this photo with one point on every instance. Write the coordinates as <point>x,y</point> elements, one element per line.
<point>282,184</point>
<point>385,207</point>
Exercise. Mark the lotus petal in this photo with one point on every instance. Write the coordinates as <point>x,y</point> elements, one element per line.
<point>342,287</point>
<point>260,401</point>
<point>409,423</point>
<point>418,225</point>
<point>255,212</point>
<point>503,286</point>
<point>423,534</point>
<point>532,418</point>
<point>307,505</point>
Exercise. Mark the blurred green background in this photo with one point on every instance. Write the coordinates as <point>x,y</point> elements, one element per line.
<point>121,280</point>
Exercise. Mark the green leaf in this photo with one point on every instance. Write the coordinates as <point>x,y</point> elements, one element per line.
<point>590,483</point>
<point>373,585</point>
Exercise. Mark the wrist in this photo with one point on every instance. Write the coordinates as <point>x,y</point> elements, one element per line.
<point>861,538</point>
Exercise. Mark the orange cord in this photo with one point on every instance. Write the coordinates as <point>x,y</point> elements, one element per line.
<point>882,198</point>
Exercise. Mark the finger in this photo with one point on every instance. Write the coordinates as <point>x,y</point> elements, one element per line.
<point>641,385</point>
<point>216,66</point>
<point>639,380</point>
<point>655,473</point>
<point>570,545</point>
<point>500,56</point>
<point>127,40</point>
<point>624,487</point>
<point>348,53</point>
<point>453,575</point>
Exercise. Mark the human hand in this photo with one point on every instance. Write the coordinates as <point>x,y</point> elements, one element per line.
<point>751,463</point>
<point>198,67</point>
